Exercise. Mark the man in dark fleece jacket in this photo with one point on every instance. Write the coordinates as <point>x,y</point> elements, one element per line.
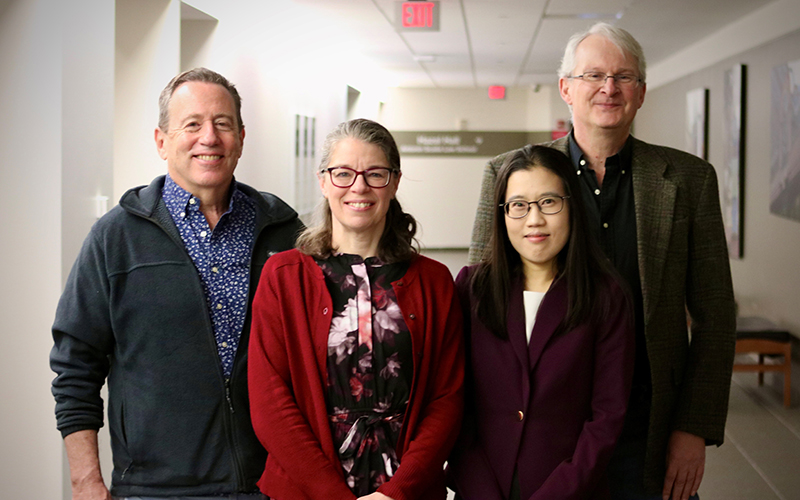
<point>158,305</point>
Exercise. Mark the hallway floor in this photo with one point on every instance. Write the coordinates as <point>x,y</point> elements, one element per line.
<point>760,459</point>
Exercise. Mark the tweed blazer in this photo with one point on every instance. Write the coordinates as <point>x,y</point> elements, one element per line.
<point>683,265</point>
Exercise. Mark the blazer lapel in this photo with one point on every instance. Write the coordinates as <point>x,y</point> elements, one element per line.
<point>654,200</point>
<point>515,320</point>
<point>551,312</point>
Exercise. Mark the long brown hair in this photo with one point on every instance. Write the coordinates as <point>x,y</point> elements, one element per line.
<point>581,262</point>
<point>397,242</point>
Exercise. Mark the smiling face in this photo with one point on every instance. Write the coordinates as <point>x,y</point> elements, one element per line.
<point>537,238</point>
<point>358,211</point>
<point>203,143</point>
<point>607,107</point>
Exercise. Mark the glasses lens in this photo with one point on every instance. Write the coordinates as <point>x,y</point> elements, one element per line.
<point>550,206</point>
<point>342,177</point>
<point>592,77</point>
<point>377,177</point>
<point>517,209</point>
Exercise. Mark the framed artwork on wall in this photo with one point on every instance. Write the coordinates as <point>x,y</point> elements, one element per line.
<point>731,190</point>
<point>784,185</point>
<point>697,122</point>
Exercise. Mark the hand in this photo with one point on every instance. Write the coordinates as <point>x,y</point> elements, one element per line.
<point>95,490</point>
<point>84,466</point>
<point>375,496</point>
<point>686,458</point>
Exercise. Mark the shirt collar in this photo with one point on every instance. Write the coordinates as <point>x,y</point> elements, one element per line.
<point>623,158</point>
<point>181,202</point>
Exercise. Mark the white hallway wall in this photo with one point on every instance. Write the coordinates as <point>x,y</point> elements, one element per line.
<point>767,279</point>
<point>56,147</point>
<point>31,142</point>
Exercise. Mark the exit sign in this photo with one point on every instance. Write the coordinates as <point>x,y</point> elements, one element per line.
<point>417,16</point>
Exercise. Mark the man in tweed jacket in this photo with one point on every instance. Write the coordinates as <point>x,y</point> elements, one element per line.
<point>655,211</point>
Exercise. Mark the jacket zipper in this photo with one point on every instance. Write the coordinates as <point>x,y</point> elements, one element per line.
<point>228,394</point>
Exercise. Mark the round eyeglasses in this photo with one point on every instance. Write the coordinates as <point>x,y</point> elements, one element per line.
<point>597,78</point>
<point>549,205</point>
<point>375,177</point>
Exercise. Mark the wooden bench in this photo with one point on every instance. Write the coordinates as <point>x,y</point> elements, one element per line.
<point>761,336</point>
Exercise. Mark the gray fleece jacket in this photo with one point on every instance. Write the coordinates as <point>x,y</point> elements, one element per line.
<point>133,313</point>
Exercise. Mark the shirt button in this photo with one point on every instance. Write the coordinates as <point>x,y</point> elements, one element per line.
<point>623,172</point>
<point>224,344</point>
<point>605,225</point>
<point>183,215</point>
<point>192,201</point>
<point>325,311</point>
<point>579,172</point>
<point>219,306</point>
<point>214,269</point>
<point>583,162</point>
<point>203,233</point>
<point>596,191</point>
<point>520,415</point>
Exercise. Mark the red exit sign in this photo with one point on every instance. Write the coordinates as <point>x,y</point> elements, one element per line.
<point>417,16</point>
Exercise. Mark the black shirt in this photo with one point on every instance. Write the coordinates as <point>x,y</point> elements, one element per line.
<point>612,219</point>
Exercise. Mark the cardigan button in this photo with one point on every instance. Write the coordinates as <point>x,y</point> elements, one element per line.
<point>325,311</point>
<point>520,416</point>
<point>412,316</point>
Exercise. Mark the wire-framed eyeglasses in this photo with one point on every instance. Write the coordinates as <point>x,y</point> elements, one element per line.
<point>549,205</point>
<point>375,177</point>
<point>598,78</point>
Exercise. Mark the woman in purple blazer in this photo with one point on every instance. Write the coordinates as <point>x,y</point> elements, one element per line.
<point>550,345</point>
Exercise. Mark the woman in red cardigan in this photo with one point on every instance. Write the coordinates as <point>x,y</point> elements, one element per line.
<point>356,360</point>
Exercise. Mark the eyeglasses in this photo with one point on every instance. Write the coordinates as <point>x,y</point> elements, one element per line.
<point>597,78</point>
<point>549,205</point>
<point>375,177</point>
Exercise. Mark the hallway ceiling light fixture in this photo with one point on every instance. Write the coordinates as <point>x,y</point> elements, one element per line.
<point>425,58</point>
<point>587,15</point>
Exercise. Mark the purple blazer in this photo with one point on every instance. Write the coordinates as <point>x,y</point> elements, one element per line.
<point>553,409</point>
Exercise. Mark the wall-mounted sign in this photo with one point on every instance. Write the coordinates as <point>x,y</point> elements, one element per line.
<point>464,143</point>
<point>417,16</point>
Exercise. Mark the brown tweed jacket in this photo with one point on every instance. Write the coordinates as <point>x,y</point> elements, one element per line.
<point>683,264</point>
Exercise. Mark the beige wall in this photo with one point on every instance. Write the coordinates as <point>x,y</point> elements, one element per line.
<point>442,192</point>
<point>767,278</point>
<point>443,109</point>
<point>147,56</point>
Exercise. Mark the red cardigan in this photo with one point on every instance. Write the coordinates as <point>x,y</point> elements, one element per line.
<point>287,377</point>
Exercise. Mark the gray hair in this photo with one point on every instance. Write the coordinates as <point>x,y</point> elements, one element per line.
<point>366,131</point>
<point>623,40</point>
<point>196,75</point>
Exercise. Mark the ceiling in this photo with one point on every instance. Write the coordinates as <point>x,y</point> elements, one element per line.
<point>515,42</point>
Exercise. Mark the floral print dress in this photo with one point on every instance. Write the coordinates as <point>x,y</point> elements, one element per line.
<point>370,367</point>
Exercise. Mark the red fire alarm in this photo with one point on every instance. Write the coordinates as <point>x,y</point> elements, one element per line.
<point>497,92</point>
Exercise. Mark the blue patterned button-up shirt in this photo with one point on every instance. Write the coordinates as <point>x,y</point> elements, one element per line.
<point>222,259</point>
